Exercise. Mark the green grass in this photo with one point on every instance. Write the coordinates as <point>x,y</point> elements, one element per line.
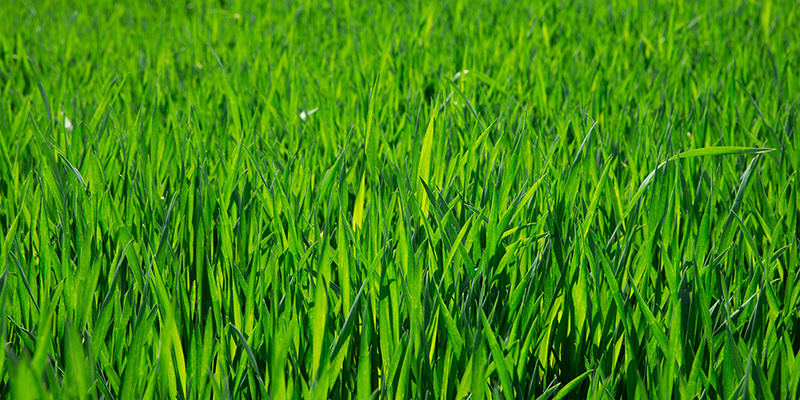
<point>325,199</point>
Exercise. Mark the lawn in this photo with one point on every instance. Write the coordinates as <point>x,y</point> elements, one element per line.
<point>390,200</point>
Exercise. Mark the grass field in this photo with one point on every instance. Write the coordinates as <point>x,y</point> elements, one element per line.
<point>465,199</point>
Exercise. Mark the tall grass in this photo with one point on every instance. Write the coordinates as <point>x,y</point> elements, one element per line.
<point>333,199</point>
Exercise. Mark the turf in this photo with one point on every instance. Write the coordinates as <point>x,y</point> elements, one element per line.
<point>333,199</point>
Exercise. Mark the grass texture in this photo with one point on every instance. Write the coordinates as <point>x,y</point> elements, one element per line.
<point>390,200</point>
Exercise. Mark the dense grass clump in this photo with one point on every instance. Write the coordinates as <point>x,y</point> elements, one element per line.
<point>332,199</point>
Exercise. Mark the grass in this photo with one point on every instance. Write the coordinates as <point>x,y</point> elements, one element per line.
<point>399,200</point>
